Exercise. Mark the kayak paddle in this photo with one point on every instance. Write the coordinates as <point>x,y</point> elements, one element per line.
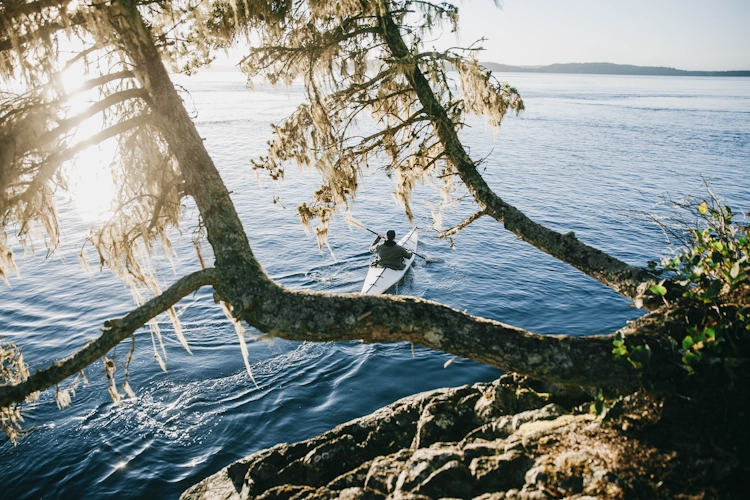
<point>354,222</point>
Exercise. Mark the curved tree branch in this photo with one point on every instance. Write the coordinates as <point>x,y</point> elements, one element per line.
<point>455,229</point>
<point>114,332</point>
<point>240,280</point>
<point>570,360</point>
<point>66,125</point>
<point>620,276</point>
<point>26,137</point>
<point>49,165</point>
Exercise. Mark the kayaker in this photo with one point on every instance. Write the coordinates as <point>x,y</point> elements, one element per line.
<point>390,253</point>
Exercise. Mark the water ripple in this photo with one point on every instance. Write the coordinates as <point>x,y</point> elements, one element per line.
<point>590,154</point>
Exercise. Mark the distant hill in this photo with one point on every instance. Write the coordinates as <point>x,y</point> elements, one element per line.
<point>607,69</point>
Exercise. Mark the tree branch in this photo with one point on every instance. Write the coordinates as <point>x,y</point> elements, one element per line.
<point>620,276</point>
<point>68,124</point>
<point>455,229</point>
<point>319,317</point>
<point>113,333</point>
<point>26,134</point>
<point>50,164</point>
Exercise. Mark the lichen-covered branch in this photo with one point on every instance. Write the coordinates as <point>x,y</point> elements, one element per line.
<point>167,160</point>
<point>585,361</point>
<point>415,109</point>
<point>620,276</point>
<point>115,331</point>
<point>458,227</point>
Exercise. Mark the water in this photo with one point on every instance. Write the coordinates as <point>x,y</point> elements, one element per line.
<point>590,154</point>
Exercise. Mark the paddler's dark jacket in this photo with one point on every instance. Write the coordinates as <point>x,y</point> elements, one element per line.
<point>390,254</point>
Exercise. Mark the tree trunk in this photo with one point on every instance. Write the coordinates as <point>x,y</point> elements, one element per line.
<point>240,280</point>
<point>240,272</point>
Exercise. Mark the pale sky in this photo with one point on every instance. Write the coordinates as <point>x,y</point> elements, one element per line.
<point>683,34</point>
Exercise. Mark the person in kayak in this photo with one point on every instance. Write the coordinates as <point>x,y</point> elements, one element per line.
<point>390,253</point>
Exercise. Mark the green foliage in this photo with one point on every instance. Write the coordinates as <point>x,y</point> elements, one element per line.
<point>606,409</point>
<point>710,280</point>
<point>637,356</point>
<point>659,289</point>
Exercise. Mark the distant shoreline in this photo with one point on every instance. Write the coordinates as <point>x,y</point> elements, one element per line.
<point>607,69</point>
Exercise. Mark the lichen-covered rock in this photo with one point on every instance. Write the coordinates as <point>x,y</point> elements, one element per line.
<point>506,397</point>
<point>452,480</point>
<point>447,418</point>
<point>502,440</point>
<point>421,464</point>
<point>500,472</point>
<point>384,471</point>
<point>354,478</point>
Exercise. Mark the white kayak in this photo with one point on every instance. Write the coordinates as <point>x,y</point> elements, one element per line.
<point>380,279</point>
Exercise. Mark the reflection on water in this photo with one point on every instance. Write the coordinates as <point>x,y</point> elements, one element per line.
<point>586,156</point>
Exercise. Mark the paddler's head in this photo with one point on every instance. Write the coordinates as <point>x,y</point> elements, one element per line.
<point>390,235</point>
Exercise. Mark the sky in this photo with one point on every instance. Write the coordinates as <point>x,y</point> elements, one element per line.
<point>711,35</point>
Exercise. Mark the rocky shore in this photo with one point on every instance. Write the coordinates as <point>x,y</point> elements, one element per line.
<point>507,439</point>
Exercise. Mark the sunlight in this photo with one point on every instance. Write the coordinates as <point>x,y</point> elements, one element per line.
<point>91,187</point>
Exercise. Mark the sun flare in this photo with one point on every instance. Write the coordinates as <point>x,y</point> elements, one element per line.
<point>91,187</point>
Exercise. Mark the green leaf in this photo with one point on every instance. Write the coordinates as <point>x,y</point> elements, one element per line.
<point>712,291</point>
<point>658,289</point>
<point>735,271</point>
<point>692,358</point>
<point>687,342</point>
<point>676,261</point>
<point>640,355</point>
<point>620,351</point>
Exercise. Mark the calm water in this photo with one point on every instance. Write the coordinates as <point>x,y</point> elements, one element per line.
<point>590,155</point>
